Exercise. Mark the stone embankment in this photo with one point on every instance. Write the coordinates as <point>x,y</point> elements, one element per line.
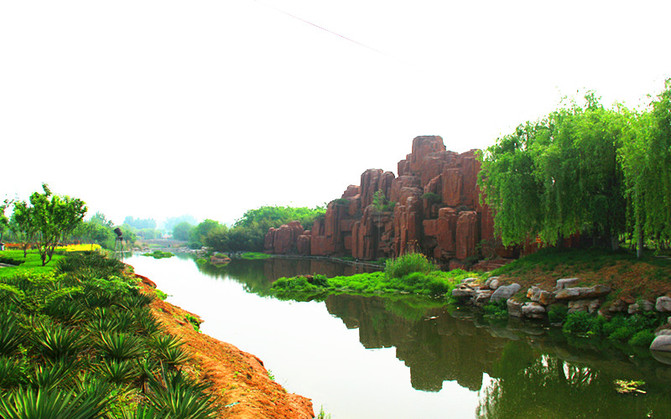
<point>432,207</point>
<point>575,298</point>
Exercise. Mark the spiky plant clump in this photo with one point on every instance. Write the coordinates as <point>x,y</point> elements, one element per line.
<point>175,396</point>
<point>57,342</point>
<point>119,346</point>
<point>40,403</point>
<point>11,335</point>
<point>118,372</point>
<point>11,373</point>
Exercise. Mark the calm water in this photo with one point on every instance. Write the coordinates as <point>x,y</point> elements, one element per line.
<point>379,358</point>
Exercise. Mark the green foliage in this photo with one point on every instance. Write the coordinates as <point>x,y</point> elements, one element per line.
<point>49,219</point>
<point>557,313</point>
<point>159,254</point>
<point>408,263</point>
<point>433,198</point>
<point>78,343</point>
<point>255,256</point>
<point>381,203</point>
<point>646,161</point>
<point>497,309</point>
<point>199,233</point>
<point>424,281</point>
<point>182,231</point>
<point>583,169</point>
<point>248,233</point>
<point>579,323</point>
<point>642,338</point>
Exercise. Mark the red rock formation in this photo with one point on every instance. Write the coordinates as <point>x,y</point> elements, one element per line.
<point>436,211</point>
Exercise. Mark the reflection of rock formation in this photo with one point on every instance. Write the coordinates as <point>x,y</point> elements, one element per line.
<point>435,348</point>
<point>436,211</point>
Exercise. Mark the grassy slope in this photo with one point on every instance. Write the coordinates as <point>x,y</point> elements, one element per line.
<point>647,278</point>
<point>32,263</point>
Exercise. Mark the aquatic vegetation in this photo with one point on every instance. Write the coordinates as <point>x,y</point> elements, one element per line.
<point>159,254</point>
<point>408,274</point>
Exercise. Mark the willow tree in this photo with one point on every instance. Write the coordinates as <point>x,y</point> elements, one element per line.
<point>558,176</point>
<point>646,160</point>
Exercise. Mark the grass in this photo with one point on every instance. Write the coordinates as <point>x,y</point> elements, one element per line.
<point>408,274</point>
<point>255,256</point>
<point>31,264</point>
<point>159,254</point>
<point>648,277</point>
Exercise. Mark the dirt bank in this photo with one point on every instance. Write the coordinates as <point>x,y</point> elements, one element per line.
<point>240,382</point>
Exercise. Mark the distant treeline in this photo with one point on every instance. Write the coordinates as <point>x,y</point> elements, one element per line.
<point>603,173</point>
<point>248,233</point>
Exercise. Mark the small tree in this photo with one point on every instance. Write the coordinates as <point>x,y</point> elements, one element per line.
<point>4,221</point>
<point>50,218</point>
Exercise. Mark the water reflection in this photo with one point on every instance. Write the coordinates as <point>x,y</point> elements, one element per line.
<point>518,368</point>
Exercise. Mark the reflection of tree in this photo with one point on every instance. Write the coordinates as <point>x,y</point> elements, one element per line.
<point>434,345</point>
<point>541,385</point>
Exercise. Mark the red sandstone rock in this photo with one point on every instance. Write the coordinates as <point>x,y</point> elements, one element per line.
<point>303,244</point>
<point>448,228</point>
<point>467,235</point>
<point>351,191</point>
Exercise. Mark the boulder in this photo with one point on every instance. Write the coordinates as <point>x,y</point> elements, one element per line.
<point>533,310</point>
<point>582,293</point>
<point>505,292</point>
<point>566,282</point>
<point>663,304</point>
<point>514,308</point>
<point>463,292</point>
<point>482,297</point>
<point>492,282</point>
<point>538,295</point>
<point>590,306</point>
<point>661,343</point>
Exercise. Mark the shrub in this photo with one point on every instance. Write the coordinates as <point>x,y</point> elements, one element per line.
<point>406,264</point>
<point>557,313</point>
<point>642,338</point>
<point>577,323</point>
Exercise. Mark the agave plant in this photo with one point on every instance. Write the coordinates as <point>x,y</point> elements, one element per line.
<point>11,335</point>
<point>11,374</point>
<point>168,349</point>
<point>103,324</point>
<point>119,346</point>
<point>57,341</point>
<point>118,372</point>
<point>39,403</point>
<point>175,396</point>
<point>147,325</point>
<point>136,300</point>
<point>50,376</point>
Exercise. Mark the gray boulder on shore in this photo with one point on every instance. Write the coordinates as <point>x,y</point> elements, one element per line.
<point>504,292</point>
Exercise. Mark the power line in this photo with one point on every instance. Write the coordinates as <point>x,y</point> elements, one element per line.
<point>322,28</point>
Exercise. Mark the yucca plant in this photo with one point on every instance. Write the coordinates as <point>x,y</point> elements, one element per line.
<point>39,403</point>
<point>51,376</point>
<point>147,325</point>
<point>118,372</point>
<point>67,310</point>
<point>136,300</point>
<point>11,373</point>
<point>119,346</point>
<point>147,367</point>
<point>102,324</point>
<point>126,320</point>
<point>175,396</point>
<point>56,341</point>
<point>11,335</point>
<point>168,349</point>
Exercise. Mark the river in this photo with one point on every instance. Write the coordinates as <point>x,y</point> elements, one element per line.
<point>407,357</point>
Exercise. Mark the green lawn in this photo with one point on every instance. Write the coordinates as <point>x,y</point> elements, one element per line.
<point>32,263</point>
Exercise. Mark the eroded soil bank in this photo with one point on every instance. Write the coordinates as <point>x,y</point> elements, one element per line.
<point>240,382</point>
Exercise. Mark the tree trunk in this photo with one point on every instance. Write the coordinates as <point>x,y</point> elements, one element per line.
<point>639,244</point>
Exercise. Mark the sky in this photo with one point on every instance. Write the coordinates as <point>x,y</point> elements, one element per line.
<point>210,108</point>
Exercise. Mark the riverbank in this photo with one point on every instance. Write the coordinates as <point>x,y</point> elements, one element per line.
<point>590,293</point>
<point>241,385</point>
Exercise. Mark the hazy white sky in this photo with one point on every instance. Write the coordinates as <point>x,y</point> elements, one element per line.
<point>162,108</point>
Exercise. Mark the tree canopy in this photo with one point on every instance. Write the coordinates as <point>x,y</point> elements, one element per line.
<point>48,219</point>
<point>583,169</point>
